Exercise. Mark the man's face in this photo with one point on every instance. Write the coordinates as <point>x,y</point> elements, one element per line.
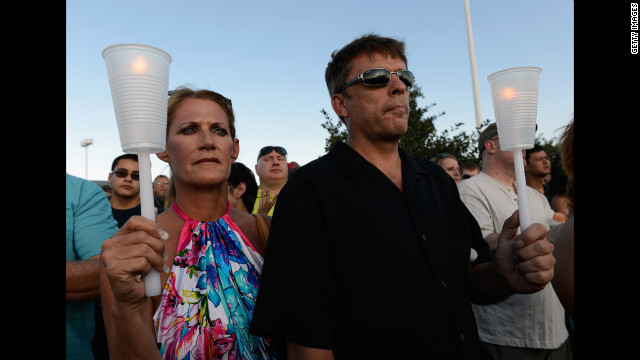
<point>377,113</point>
<point>538,164</point>
<point>125,186</point>
<point>272,168</point>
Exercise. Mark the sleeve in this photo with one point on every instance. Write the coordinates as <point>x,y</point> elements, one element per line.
<point>93,221</point>
<point>296,299</point>
<point>476,202</point>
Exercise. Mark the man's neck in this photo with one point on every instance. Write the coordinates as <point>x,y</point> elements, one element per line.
<point>386,158</point>
<point>536,183</point>
<point>123,203</point>
<point>501,174</point>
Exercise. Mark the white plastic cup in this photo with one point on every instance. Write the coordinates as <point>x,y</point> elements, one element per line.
<point>515,102</point>
<point>139,81</point>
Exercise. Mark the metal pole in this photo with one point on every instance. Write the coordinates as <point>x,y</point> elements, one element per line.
<point>86,162</point>
<point>474,75</point>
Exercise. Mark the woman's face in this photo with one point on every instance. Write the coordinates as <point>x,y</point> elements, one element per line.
<point>199,146</point>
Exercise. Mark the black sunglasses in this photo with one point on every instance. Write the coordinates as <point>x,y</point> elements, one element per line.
<point>381,77</point>
<point>123,174</point>
<point>268,149</point>
<point>466,176</point>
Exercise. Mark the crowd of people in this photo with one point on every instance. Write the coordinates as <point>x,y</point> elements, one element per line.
<point>364,253</point>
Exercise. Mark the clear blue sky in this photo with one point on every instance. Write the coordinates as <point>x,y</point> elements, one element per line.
<point>269,58</point>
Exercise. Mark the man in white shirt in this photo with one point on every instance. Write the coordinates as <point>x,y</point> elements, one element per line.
<point>522,326</point>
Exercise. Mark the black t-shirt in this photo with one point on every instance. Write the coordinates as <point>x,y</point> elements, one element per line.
<point>360,267</point>
<point>122,216</point>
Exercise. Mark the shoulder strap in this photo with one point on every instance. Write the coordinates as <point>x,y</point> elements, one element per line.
<point>263,228</point>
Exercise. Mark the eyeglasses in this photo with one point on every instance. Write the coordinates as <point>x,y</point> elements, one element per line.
<point>382,77</point>
<point>268,149</point>
<point>466,176</point>
<point>135,175</point>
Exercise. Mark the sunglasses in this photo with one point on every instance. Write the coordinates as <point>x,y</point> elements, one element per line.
<point>440,156</point>
<point>382,77</point>
<point>466,176</point>
<point>123,174</point>
<point>268,149</point>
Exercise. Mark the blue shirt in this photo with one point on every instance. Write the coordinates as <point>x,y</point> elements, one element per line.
<point>89,223</point>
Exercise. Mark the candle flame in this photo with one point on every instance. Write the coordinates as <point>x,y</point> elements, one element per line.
<point>140,65</point>
<point>508,93</point>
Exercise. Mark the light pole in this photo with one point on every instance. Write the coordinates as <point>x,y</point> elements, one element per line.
<point>85,144</point>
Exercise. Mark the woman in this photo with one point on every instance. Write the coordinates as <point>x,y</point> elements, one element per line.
<point>213,253</point>
<point>450,164</point>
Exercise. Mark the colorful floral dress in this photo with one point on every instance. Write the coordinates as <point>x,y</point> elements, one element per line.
<point>207,303</point>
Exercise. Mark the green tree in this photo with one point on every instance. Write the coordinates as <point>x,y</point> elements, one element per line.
<point>421,139</point>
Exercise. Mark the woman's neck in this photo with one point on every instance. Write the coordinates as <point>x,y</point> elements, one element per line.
<point>208,204</point>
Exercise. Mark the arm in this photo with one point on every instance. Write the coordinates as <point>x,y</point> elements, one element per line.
<point>134,249</point>
<point>563,279</point>
<point>82,279</point>
<point>523,264</point>
<point>299,352</point>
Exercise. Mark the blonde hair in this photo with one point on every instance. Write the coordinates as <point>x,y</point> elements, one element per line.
<point>566,156</point>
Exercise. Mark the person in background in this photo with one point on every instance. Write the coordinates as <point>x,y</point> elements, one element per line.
<point>242,187</point>
<point>107,190</point>
<point>536,168</point>
<point>209,254</point>
<point>273,172</point>
<point>124,179</point>
<point>160,186</point>
<point>563,280</point>
<point>293,166</point>
<point>557,187</point>
<point>369,252</point>
<point>468,169</point>
<point>89,223</point>
<point>450,164</point>
<point>522,326</point>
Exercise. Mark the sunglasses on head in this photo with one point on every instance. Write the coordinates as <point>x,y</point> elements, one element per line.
<point>123,174</point>
<point>381,77</point>
<point>440,156</point>
<point>268,149</point>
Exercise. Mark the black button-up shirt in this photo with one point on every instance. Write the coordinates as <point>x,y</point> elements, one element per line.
<point>356,265</point>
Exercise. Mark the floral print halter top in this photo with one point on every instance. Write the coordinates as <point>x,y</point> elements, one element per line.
<point>207,302</point>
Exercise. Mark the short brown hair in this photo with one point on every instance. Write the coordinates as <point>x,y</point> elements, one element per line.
<point>340,64</point>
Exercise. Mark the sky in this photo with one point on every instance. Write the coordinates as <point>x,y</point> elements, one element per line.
<point>269,58</point>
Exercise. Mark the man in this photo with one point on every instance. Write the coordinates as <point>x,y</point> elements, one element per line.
<point>89,223</point>
<point>522,326</point>
<point>273,172</point>
<point>160,186</point>
<point>537,167</point>
<point>468,169</point>
<point>124,179</point>
<point>369,250</point>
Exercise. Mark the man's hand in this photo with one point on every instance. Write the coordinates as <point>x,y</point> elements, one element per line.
<point>525,261</point>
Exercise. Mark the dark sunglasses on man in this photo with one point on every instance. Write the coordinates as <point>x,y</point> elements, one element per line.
<point>121,173</point>
<point>382,77</point>
<point>268,149</point>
